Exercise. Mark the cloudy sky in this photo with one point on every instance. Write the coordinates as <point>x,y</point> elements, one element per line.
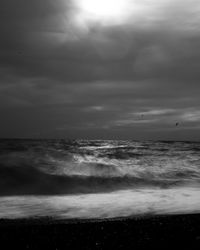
<point>116,69</point>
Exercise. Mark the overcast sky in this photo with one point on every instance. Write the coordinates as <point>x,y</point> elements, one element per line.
<point>70,71</point>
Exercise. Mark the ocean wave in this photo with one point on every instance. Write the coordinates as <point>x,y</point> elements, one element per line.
<point>73,174</point>
<point>66,167</point>
<point>29,180</point>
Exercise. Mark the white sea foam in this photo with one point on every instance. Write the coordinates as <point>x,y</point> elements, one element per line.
<point>135,202</point>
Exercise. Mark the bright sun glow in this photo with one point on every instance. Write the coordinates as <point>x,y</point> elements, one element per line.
<point>103,10</point>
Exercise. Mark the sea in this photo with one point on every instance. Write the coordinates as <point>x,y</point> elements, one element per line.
<point>98,179</point>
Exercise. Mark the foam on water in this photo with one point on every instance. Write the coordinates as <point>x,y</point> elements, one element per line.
<point>105,205</point>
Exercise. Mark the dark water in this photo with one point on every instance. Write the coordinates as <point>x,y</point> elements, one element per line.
<point>90,179</point>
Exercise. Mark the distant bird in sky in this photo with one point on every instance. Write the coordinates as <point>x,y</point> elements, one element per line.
<point>177,123</point>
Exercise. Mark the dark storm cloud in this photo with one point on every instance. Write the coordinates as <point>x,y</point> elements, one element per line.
<point>58,78</point>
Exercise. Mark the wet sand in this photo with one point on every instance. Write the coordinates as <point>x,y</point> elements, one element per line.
<point>130,233</point>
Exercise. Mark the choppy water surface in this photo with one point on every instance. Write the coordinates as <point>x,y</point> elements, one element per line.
<point>98,179</point>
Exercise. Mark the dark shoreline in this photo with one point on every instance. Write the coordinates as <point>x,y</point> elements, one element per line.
<point>130,233</point>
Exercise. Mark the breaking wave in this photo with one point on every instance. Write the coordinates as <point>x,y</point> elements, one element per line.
<point>86,167</point>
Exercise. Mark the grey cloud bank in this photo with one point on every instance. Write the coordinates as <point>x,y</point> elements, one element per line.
<point>61,78</point>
